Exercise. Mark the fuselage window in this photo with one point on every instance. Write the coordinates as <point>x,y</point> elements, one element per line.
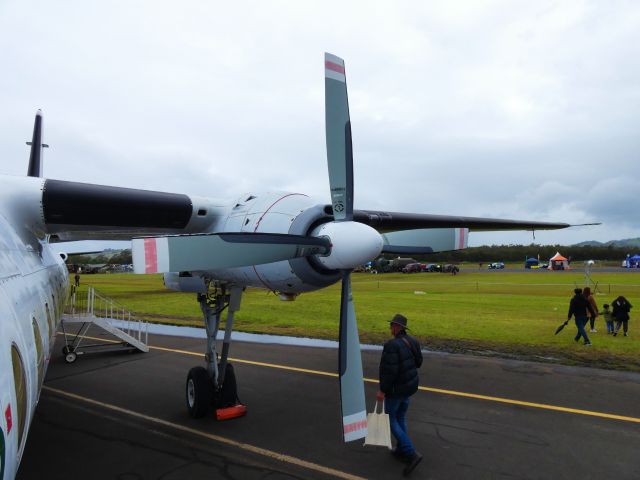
<point>56,314</point>
<point>39,350</point>
<point>49,320</point>
<point>20,383</point>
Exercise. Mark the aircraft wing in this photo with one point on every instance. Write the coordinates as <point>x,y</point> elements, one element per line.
<point>417,234</point>
<point>394,221</point>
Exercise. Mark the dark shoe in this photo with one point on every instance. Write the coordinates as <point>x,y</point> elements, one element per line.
<point>615,334</point>
<point>414,460</point>
<point>398,455</point>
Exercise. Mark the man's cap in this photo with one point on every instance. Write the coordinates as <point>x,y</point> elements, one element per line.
<point>577,291</point>
<point>400,320</point>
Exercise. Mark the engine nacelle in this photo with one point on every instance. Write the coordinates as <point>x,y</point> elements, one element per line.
<point>276,212</point>
<point>185,282</point>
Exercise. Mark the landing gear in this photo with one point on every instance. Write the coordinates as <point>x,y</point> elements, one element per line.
<point>70,357</point>
<point>199,392</point>
<point>206,387</point>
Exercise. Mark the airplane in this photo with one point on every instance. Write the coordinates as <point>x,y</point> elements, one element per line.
<point>281,242</point>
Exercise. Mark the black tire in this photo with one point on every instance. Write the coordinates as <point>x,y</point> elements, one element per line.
<point>70,357</point>
<point>199,392</point>
<point>66,349</point>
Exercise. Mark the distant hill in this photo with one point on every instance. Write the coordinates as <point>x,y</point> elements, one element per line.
<point>626,243</point>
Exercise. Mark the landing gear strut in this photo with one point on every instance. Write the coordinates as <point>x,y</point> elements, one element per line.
<point>206,386</point>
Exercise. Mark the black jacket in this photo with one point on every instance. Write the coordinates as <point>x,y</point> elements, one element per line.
<point>580,307</point>
<point>621,309</point>
<point>399,366</point>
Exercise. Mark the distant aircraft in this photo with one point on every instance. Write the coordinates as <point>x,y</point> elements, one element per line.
<point>277,241</point>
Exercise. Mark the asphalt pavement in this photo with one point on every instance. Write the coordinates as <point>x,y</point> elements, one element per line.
<point>123,416</point>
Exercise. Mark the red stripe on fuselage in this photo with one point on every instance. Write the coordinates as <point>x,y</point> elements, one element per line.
<point>8,418</point>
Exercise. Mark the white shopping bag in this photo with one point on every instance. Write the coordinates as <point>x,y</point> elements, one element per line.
<point>378,430</point>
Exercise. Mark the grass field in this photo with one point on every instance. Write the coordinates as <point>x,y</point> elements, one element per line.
<point>505,313</point>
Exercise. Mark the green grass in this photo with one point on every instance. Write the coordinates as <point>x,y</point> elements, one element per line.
<point>505,312</point>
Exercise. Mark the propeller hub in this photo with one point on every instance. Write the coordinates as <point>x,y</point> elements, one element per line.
<point>352,244</point>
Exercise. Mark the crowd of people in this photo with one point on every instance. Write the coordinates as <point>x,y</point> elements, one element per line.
<point>584,309</point>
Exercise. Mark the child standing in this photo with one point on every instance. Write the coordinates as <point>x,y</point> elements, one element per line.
<point>608,318</point>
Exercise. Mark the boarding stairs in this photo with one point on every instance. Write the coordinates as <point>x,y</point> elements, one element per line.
<point>88,307</point>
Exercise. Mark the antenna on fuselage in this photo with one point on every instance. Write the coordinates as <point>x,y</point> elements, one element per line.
<point>35,157</point>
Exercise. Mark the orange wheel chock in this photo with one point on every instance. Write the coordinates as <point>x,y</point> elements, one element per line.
<point>231,412</point>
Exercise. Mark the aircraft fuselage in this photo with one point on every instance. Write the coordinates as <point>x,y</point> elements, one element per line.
<point>33,287</point>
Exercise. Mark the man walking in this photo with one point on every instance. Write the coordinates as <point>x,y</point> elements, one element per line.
<point>401,358</point>
<point>578,307</point>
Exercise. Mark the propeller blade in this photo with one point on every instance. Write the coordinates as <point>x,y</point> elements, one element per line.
<point>179,253</point>
<point>354,411</point>
<point>338,132</point>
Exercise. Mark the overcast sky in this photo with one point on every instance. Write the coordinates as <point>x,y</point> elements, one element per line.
<point>507,109</point>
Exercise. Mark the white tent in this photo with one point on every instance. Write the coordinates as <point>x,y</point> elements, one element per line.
<point>558,262</point>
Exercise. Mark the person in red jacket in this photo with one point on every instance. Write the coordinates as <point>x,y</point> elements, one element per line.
<point>586,291</point>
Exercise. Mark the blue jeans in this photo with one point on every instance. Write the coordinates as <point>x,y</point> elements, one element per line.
<point>580,323</point>
<point>396,407</point>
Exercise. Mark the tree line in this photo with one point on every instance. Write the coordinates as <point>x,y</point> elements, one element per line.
<point>519,253</point>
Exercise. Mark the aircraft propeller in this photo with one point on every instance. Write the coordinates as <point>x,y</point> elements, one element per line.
<point>340,164</point>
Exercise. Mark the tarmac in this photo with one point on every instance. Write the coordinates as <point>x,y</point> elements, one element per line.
<point>123,416</point>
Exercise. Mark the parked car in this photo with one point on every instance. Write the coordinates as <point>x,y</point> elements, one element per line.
<point>412,268</point>
<point>496,266</point>
<point>432,267</point>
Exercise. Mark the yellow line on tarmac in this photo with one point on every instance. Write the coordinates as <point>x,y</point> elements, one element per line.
<point>476,396</point>
<point>216,438</point>
<point>532,404</point>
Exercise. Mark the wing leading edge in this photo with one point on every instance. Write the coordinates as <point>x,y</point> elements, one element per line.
<point>394,221</point>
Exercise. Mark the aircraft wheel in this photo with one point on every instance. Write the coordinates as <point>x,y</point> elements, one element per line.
<point>70,357</point>
<point>199,390</point>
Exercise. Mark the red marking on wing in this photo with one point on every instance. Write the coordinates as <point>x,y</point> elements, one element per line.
<point>150,256</point>
<point>461,244</point>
